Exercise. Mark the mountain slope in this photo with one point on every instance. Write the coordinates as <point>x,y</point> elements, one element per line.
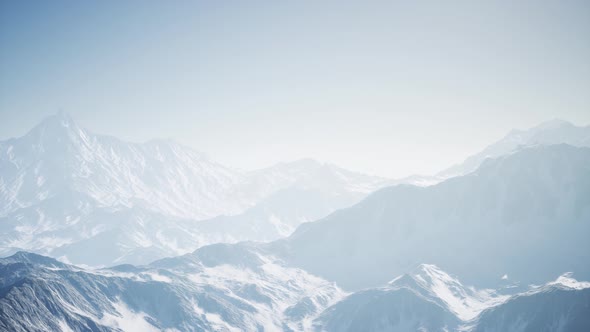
<point>525,214</point>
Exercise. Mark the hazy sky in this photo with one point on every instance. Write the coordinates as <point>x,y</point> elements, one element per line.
<point>387,88</point>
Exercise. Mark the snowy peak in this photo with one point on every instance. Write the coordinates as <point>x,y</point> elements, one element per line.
<point>34,259</point>
<point>432,278</point>
<point>551,132</point>
<point>567,280</point>
<point>57,128</point>
<point>404,305</point>
<point>547,133</point>
<point>311,174</point>
<point>160,176</point>
<point>552,307</point>
<point>58,121</point>
<point>432,282</point>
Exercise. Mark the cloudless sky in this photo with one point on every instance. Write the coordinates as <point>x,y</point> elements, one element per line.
<point>389,87</point>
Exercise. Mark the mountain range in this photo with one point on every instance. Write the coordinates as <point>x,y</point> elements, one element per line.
<point>492,244</point>
<point>525,214</point>
<point>68,193</point>
<point>221,288</point>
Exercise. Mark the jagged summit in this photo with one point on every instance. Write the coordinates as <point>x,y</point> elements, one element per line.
<point>432,282</point>
<point>567,280</point>
<point>32,258</point>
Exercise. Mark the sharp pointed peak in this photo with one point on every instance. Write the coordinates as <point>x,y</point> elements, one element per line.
<point>59,119</point>
<point>419,272</point>
<point>427,268</point>
<point>58,124</point>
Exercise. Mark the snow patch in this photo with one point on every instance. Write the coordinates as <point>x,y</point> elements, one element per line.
<point>64,327</point>
<point>127,320</point>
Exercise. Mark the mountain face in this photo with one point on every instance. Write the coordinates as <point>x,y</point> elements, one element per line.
<point>525,215</point>
<point>69,193</point>
<point>205,297</point>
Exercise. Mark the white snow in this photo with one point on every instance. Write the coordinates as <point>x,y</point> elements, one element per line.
<point>466,302</point>
<point>64,326</point>
<point>567,280</point>
<point>127,320</point>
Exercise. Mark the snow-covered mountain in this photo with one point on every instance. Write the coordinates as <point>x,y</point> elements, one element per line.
<point>58,158</point>
<point>69,193</point>
<point>41,294</point>
<point>428,299</point>
<point>520,217</point>
<point>526,214</point>
<point>560,306</point>
<point>382,310</point>
<point>435,284</point>
<point>239,287</point>
<point>547,133</point>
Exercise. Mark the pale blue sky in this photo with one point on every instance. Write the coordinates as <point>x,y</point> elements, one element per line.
<point>387,88</point>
